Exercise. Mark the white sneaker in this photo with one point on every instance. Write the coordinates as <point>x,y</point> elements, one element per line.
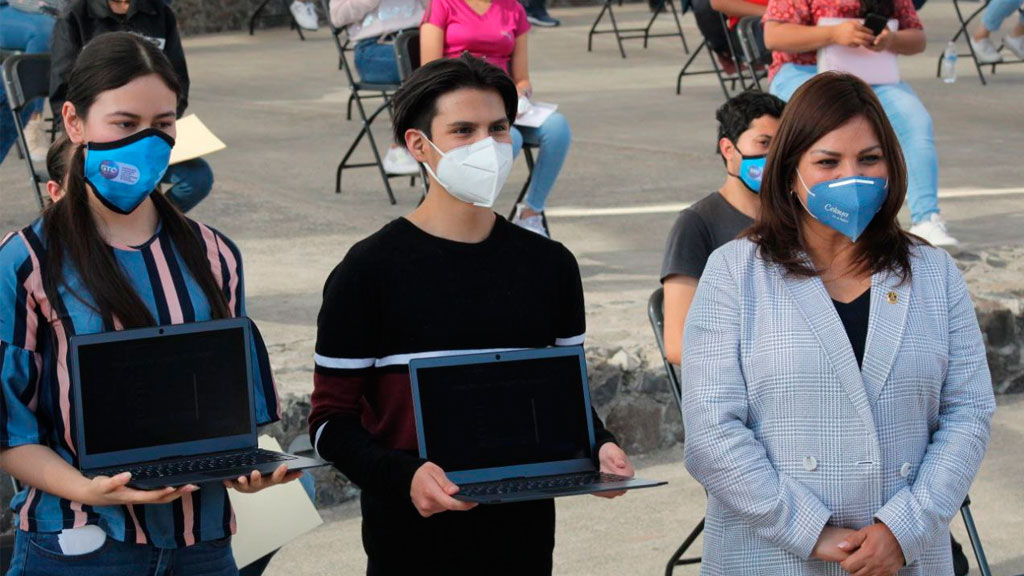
<point>533,223</point>
<point>934,231</point>
<point>305,15</point>
<point>1015,44</point>
<point>399,161</point>
<point>985,50</point>
<point>38,139</point>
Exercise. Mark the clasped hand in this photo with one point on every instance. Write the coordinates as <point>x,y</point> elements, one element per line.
<point>870,551</point>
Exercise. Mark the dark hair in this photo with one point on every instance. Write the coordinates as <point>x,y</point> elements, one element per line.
<point>415,103</point>
<point>884,8</point>
<point>735,116</point>
<point>823,104</point>
<point>57,158</point>
<point>109,62</point>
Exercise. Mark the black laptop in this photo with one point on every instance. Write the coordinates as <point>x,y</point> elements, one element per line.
<point>173,405</point>
<point>511,426</point>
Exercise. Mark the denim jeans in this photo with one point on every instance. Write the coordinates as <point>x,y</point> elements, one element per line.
<point>997,12</point>
<point>912,124</point>
<point>39,554</point>
<point>28,33</point>
<point>375,62</point>
<point>189,182</point>
<point>553,138</point>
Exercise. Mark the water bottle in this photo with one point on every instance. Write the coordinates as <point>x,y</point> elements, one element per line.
<point>949,64</point>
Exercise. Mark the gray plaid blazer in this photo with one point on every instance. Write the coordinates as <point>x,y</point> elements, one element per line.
<point>788,435</point>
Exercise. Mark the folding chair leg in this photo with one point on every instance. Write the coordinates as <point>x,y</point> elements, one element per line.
<point>679,26</point>
<point>693,56</point>
<point>593,28</point>
<point>344,160</point>
<point>295,23</point>
<point>677,558</point>
<point>647,29</point>
<point>615,27</point>
<point>255,16</point>
<point>528,156</point>
<point>348,112</point>
<point>972,533</point>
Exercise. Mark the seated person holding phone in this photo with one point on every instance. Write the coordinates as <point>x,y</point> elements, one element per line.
<point>794,32</point>
<point>448,279</point>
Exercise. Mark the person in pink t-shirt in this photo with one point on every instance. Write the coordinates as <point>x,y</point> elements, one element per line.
<point>495,30</point>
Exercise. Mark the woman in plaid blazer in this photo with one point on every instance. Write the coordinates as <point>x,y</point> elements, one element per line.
<point>837,399</point>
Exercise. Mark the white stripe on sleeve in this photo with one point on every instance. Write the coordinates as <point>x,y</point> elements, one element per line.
<point>574,341</point>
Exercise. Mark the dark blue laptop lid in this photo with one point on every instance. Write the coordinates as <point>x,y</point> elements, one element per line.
<point>484,417</point>
<point>152,393</point>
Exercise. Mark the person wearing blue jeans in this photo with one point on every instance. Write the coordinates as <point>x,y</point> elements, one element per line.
<point>372,25</point>
<point>553,138</point>
<point>991,20</point>
<point>792,33</point>
<point>187,183</point>
<point>27,32</point>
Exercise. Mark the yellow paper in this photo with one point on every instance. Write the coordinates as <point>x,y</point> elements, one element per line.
<point>270,518</point>
<point>194,140</point>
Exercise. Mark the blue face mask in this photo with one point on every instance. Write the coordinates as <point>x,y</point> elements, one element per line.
<point>846,205</point>
<point>751,171</point>
<point>125,172</point>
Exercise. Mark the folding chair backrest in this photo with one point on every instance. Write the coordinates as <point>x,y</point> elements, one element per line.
<point>748,34</point>
<point>407,52</point>
<point>656,314</point>
<point>26,77</point>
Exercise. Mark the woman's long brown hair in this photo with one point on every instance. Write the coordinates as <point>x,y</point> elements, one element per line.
<point>820,106</point>
<point>107,63</point>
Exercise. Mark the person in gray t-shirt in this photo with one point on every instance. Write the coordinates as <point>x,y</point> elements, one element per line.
<point>746,127</point>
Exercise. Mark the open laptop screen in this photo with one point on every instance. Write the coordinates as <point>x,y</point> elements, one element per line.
<point>169,389</point>
<point>508,413</point>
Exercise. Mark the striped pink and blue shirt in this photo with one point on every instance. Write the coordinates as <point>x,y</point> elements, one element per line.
<point>35,391</point>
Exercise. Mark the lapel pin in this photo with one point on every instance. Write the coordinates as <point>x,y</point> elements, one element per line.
<point>893,298</point>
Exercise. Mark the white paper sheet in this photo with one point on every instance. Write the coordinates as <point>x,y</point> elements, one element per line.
<point>270,518</point>
<point>536,114</point>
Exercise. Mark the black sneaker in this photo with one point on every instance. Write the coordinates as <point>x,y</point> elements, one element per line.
<point>542,19</point>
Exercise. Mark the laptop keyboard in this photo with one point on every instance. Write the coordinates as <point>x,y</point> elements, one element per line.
<point>198,464</point>
<point>560,482</point>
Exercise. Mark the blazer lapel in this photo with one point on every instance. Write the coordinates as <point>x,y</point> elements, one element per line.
<point>816,306</point>
<point>887,322</point>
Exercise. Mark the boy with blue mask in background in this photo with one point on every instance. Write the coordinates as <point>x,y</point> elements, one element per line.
<point>746,127</point>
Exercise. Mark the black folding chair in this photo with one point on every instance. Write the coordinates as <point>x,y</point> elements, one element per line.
<point>963,31</point>
<point>656,314</point>
<point>361,91</point>
<point>26,77</point>
<point>287,10</point>
<point>636,33</point>
<point>750,37</point>
<point>727,81</point>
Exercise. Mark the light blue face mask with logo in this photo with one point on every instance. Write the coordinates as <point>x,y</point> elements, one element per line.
<point>847,205</point>
<point>751,171</point>
<point>125,172</point>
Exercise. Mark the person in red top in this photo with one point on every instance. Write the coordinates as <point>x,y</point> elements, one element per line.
<point>792,32</point>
